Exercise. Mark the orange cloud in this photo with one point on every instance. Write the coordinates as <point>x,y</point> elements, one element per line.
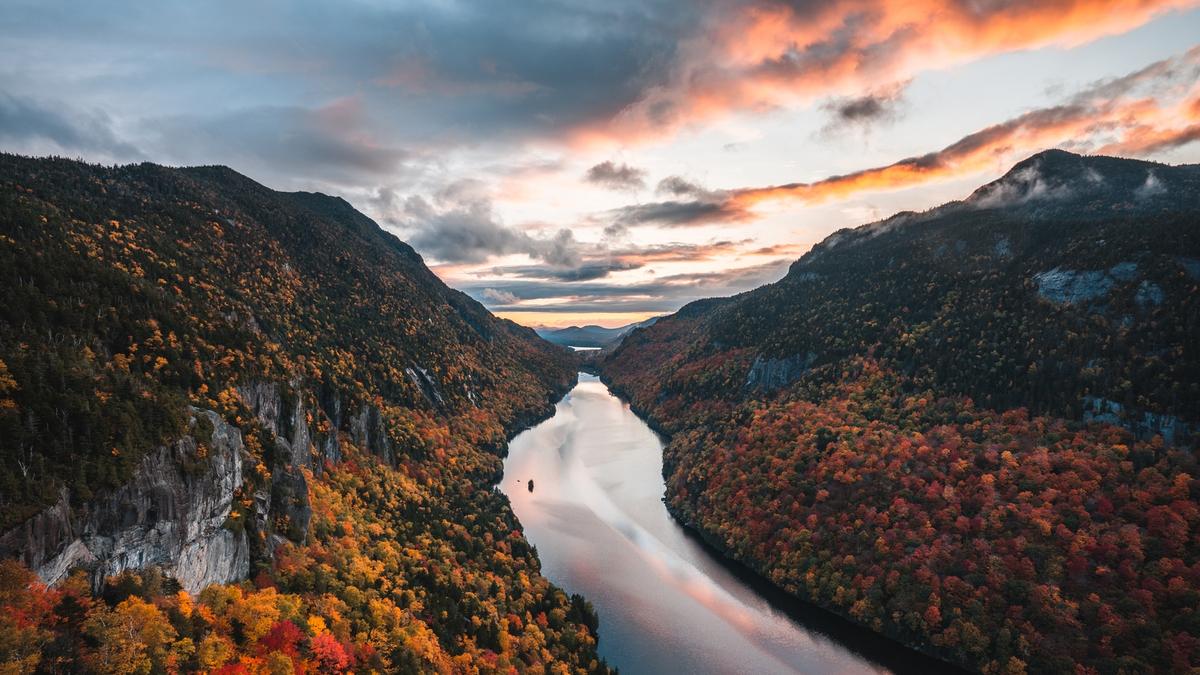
<point>769,53</point>
<point>1147,111</point>
<point>1035,130</point>
<point>1170,129</point>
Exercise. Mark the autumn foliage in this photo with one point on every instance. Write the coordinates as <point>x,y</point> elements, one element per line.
<point>896,431</point>
<point>130,293</point>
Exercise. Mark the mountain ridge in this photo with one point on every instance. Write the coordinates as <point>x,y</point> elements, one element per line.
<point>927,406</point>
<point>591,335</point>
<point>258,396</point>
<point>1025,176</point>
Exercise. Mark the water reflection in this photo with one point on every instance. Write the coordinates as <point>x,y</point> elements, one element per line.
<point>665,604</point>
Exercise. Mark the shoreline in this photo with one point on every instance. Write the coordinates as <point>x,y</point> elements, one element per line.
<point>883,648</point>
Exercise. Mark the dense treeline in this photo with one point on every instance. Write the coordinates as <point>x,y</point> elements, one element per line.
<point>130,293</point>
<point>896,431</point>
<point>398,579</point>
<point>959,300</point>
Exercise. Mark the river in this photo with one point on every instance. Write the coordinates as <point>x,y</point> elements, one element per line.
<point>667,603</point>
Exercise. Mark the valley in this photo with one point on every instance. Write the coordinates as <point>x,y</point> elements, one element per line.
<point>666,600</point>
<point>208,417</point>
<point>920,448</point>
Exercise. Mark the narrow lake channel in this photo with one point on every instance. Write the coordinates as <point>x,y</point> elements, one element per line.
<point>667,603</point>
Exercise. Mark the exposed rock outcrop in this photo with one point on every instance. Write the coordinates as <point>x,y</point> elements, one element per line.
<point>367,430</point>
<point>770,374</point>
<point>427,383</point>
<point>172,514</point>
<point>1142,424</point>
<point>1149,294</point>
<point>1073,287</point>
<point>286,417</point>
<point>283,412</point>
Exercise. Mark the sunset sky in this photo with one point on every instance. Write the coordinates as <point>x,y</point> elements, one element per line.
<point>569,162</point>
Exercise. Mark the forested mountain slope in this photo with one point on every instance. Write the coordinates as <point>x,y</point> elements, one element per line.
<point>204,377</point>
<point>972,429</point>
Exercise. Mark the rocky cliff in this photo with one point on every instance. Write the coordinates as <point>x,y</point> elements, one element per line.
<point>972,429</point>
<point>206,376</point>
<point>188,350</point>
<point>174,513</point>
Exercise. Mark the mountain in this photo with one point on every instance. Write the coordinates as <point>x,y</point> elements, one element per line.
<point>205,382</point>
<point>971,429</point>
<point>591,335</point>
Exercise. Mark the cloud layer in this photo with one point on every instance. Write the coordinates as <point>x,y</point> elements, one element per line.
<point>542,152</point>
<point>431,75</point>
<point>664,294</point>
<point>459,225</point>
<point>762,54</point>
<point>1148,110</point>
<point>616,176</point>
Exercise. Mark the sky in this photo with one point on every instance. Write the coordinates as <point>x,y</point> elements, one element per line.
<point>572,162</point>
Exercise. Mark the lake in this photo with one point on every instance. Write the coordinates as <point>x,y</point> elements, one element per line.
<point>667,603</point>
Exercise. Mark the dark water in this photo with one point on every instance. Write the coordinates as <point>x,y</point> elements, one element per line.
<point>666,603</point>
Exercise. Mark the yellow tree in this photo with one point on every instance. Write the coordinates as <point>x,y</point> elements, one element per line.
<point>134,637</point>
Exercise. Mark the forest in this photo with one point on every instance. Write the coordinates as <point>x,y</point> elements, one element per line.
<point>133,295</point>
<point>920,449</point>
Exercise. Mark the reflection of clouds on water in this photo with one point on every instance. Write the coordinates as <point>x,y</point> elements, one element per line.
<point>565,518</point>
<point>602,530</point>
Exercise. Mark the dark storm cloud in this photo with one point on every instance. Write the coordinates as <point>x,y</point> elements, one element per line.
<point>679,187</point>
<point>430,75</point>
<point>677,251</point>
<point>616,176</point>
<point>735,280</point>
<point>332,138</point>
<point>865,111</point>
<point>665,294</point>
<point>542,68</point>
<point>863,108</point>
<point>694,205</point>
<point>677,213</point>
<point>597,261</point>
<point>458,224</point>
<point>588,271</point>
<point>25,124</point>
<point>438,75</point>
<point>460,232</point>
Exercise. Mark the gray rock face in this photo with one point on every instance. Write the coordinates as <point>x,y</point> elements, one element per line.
<point>330,405</point>
<point>771,374</point>
<point>367,430</point>
<point>46,542</point>
<point>1149,294</point>
<point>288,419</point>
<point>1143,424</point>
<point>173,512</point>
<point>427,384</point>
<point>1073,287</point>
<point>168,515</point>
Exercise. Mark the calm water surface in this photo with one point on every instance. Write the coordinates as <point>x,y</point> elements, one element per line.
<point>666,604</point>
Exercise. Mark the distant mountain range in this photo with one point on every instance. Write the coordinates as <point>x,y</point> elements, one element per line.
<point>591,335</point>
<point>971,429</point>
